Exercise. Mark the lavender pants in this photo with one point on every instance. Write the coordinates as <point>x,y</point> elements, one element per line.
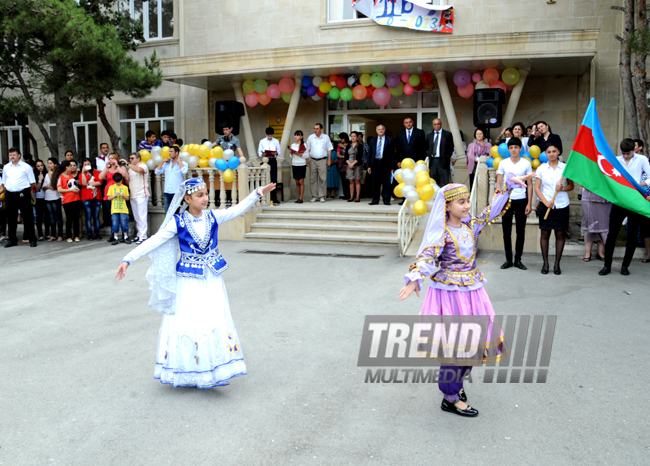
<point>453,381</point>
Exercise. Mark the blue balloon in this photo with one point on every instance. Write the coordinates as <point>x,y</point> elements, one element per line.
<point>221,164</point>
<point>527,155</point>
<point>543,158</point>
<point>490,162</point>
<point>233,162</point>
<point>311,90</point>
<point>306,81</point>
<point>503,150</point>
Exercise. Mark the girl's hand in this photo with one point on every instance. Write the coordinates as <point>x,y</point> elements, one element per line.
<point>121,270</point>
<point>406,291</point>
<point>268,188</point>
<point>521,179</point>
<point>559,186</point>
<point>549,204</point>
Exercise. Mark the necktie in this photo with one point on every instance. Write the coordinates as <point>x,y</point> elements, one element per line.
<point>379,149</point>
<point>435,145</point>
<point>408,139</point>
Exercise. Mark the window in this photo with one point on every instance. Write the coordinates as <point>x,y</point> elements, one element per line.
<point>12,135</point>
<point>157,16</point>
<point>137,119</point>
<point>84,124</point>
<point>341,10</point>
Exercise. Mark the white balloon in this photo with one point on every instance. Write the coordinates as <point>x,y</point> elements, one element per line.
<point>482,85</point>
<point>316,97</point>
<point>208,144</point>
<point>193,162</point>
<point>212,161</point>
<point>409,177</point>
<point>409,207</point>
<point>157,159</point>
<point>151,165</point>
<point>227,154</point>
<point>429,204</point>
<point>397,172</point>
<point>317,81</point>
<point>420,168</point>
<point>406,189</point>
<point>186,154</point>
<point>156,150</point>
<point>412,196</point>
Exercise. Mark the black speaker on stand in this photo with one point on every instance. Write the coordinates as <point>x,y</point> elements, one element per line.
<point>227,113</point>
<point>488,111</point>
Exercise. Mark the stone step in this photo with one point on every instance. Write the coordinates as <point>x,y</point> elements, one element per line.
<point>317,208</point>
<point>321,238</point>
<point>328,221</point>
<point>303,216</point>
<point>350,231</point>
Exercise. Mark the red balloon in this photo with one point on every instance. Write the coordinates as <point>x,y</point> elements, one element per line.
<point>264,99</point>
<point>287,85</point>
<point>500,85</point>
<point>341,82</point>
<point>320,94</point>
<point>419,87</point>
<point>426,77</point>
<point>466,91</point>
<point>369,91</point>
<point>408,89</point>
<point>490,76</point>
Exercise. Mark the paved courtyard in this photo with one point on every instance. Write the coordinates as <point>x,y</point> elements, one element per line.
<point>77,357</point>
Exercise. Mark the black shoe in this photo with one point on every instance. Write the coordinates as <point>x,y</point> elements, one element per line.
<point>521,266</point>
<point>624,270</point>
<point>33,244</point>
<point>11,244</point>
<point>373,203</point>
<point>544,270</point>
<point>90,237</point>
<point>402,201</point>
<point>462,396</point>
<point>451,408</point>
<point>599,257</point>
<point>136,239</point>
<point>98,237</point>
<point>386,203</point>
<point>127,240</point>
<point>358,200</point>
<point>557,271</point>
<point>114,241</point>
<point>507,264</point>
<point>109,240</point>
<point>605,270</point>
<point>350,200</point>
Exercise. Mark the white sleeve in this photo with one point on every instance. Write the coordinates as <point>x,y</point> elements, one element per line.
<point>152,243</point>
<point>260,149</point>
<point>224,215</point>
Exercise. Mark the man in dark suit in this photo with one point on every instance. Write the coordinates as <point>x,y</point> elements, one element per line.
<point>410,142</point>
<point>381,163</point>
<point>440,144</point>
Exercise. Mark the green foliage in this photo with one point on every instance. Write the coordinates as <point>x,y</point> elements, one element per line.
<point>639,41</point>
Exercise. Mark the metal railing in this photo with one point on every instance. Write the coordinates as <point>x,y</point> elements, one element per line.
<point>407,224</point>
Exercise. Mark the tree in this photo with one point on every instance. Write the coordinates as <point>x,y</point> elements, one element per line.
<point>59,52</point>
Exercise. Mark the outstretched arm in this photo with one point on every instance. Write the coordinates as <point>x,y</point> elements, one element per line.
<point>425,264</point>
<point>152,243</point>
<point>249,201</point>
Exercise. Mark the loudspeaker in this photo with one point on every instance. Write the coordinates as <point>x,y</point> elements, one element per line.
<point>487,107</point>
<point>228,113</point>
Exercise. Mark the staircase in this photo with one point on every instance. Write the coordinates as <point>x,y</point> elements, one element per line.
<point>333,221</point>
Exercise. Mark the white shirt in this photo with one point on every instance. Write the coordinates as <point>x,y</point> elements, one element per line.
<point>638,165</point>
<point>318,146</point>
<point>100,163</point>
<point>138,182</point>
<point>298,160</point>
<point>380,155</point>
<point>436,153</point>
<point>269,144</point>
<point>50,194</point>
<point>521,168</point>
<point>550,178</point>
<point>17,177</point>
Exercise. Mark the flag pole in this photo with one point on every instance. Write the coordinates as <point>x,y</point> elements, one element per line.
<point>553,200</point>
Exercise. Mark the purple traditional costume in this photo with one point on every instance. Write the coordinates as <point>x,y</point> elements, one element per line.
<point>457,288</point>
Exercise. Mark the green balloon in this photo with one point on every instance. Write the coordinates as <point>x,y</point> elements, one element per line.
<point>346,94</point>
<point>260,86</point>
<point>414,80</point>
<point>335,93</point>
<point>286,98</point>
<point>377,80</point>
<point>249,86</point>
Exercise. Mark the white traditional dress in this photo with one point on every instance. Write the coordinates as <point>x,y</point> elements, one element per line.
<point>198,344</point>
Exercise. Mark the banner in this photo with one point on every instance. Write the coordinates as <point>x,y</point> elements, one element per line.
<point>414,14</point>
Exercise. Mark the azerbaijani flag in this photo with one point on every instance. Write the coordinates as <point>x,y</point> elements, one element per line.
<point>593,165</point>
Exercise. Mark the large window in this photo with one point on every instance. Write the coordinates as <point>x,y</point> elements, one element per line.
<point>12,135</point>
<point>341,10</point>
<point>85,132</point>
<point>137,119</point>
<point>157,16</point>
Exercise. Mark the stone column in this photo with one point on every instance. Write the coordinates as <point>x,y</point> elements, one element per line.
<point>250,144</point>
<point>448,105</point>
<point>513,102</point>
<point>211,205</point>
<point>222,191</point>
<point>159,192</point>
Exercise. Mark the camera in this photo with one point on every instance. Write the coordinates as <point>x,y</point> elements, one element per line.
<point>122,163</point>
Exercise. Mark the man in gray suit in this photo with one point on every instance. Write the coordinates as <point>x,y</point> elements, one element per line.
<point>440,144</point>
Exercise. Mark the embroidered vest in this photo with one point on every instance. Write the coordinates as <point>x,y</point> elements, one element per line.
<point>198,253</point>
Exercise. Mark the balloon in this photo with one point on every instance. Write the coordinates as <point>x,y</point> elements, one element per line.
<point>315,97</point>
<point>397,174</point>
<point>378,80</point>
<point>286,98</point>
<point>462,78</point>
<point>274,91</point>
<point>227,154</point>
<point>260,86</point>
<point>490,76</point>
<point>408,89</point>
<point>528,157</point>
<point>543,158</point>
<point>164,152</point>
<point>144,154</point>
<point>228,176</point>
<point>233,162</point>
<point>208,144</point>
<point>482,85</point>
<point>476,77</point>
<point>364,79</point>
<point>392,80</point>
<point>398,190</point>
<point>151,165</point>
<point>316,81</point>
<point>185,156</point>
<point>204,152</point>
<point>494,151</point>
<point>421,167</point>
<point>408,163</point>
<point>306,81</point>
<point>430,203</point>
<point>420,208</point>
<point>217,152</point>
<point>510,76</point>
<point>369,91</point>
<point>409,177</point>
<point>311,90</point>
<point>412,196</point>
<point>193,161</point>
<point>414,80</point>
<point>320,94</point>
<point>426,192</point>
<point>490,163</point>
<point>404,78</point>
<point>203,163</point>
<point>341,82</point>
<point>359,92</point>
<point>496,162</point>
<point>466,91</point>
<point>156,150</point>
<point>352,81</point>
<point>536,163</point>
<point>503,150</point>
<point>251,99</point>
<point>264,99</point>
<point>426,77</point>
<point>325,87</point>
<point>335,93</point>
<point>346,94</point>
<point>332,80</point>
<point>420,162</point>
<point>212,162</point>
<point>534,151</point>
<point>421,181</point>
<point>249,86</point>
<point>398,90</point>
<point>221,164</point>
<point>499,85</point>
<point>407,188</point>
<point>287,85</point>
<point>381,96</point>
<point>194,149</point>
<point>491,63</point>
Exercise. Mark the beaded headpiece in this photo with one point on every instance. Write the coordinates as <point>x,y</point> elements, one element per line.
<point>194,184</point>
<point>455,191</point>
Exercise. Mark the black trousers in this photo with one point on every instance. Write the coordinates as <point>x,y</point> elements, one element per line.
<point>273,163</point>
<point>20,200</point>
<point>518,209</point>
<point>616,217</point>
<point>438,172</point>
<point>380,177</point>
<point>42,217</point>
<point>72,210</point>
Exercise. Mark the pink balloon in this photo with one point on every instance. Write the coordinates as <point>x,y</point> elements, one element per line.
<point>462,78</point>
<point>476,77</point>
<point>510,87</point>
<point>405,78</point>
<point>287,85</point>
<point>381,96</point>
<point>408,89</point>
<point>500,85</point>
<point>251,99</point>
<point>466,91</point>
<point>273,91</point>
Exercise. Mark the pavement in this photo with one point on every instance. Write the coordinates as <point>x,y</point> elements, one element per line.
<point>78,348</point>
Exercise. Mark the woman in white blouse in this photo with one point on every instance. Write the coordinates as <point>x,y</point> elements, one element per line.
<point>549,180</point>
<point>299,163</point>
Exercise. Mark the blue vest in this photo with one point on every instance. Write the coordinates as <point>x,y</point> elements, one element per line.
<point>198,253</point>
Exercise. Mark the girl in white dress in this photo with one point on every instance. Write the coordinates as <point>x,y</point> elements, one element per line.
<point>198,345</point>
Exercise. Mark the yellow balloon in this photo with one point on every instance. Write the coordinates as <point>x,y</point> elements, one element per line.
<point>420,207</point>
<point>398,177</point>
<point>217,152</point>
<point>421,162</point>
<point>184,148</point>
<point>534,151</point>
<point>408,163</point>
<point>193,149</point>
<point>536,163</point>
<point>144,155</point>
<point>497,161</point>
<point>398,189</point>
<point>204,152</point>
<point>228,176</point>
<point>164,152</point>
<point>426,192</point>
<point>494,151</point>
<point>203,163</point>
<point>422,181</point>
